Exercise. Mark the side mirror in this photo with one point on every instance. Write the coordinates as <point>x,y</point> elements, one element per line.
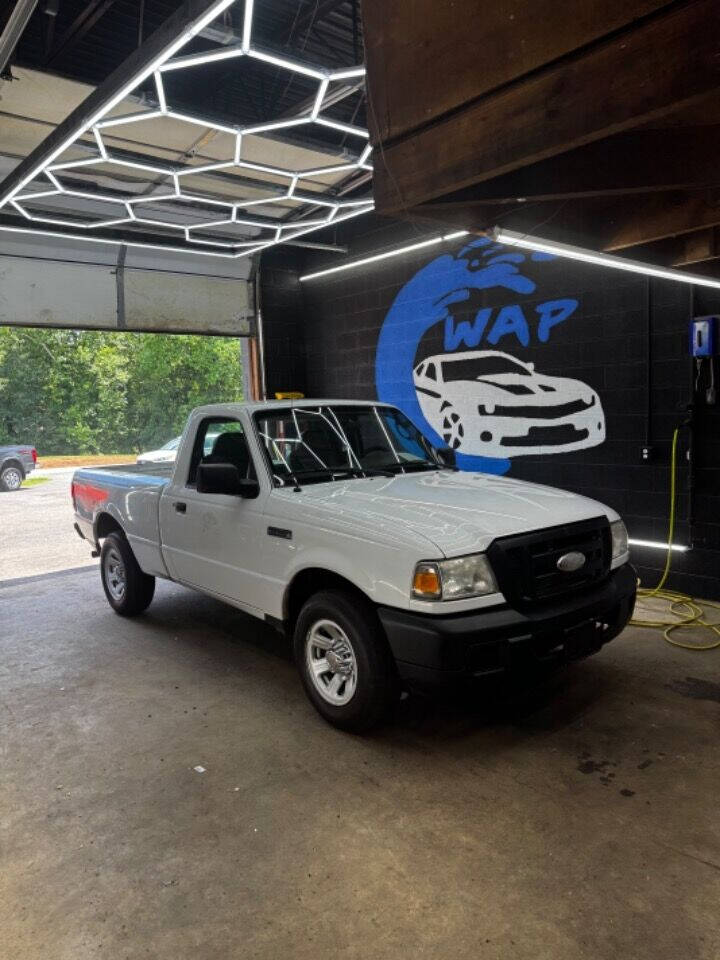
<point>446,457</point>
<point>225,478</point>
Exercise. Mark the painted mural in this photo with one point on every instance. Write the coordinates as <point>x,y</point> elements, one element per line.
<point>476,393</point>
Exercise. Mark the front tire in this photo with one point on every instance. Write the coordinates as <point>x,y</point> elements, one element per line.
<point>11,478</point>
<point>129,591</point>
<point>344,661</point>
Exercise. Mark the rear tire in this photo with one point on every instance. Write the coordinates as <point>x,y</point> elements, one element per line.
<point>11,478</point>
<point>129,591</point>
<point>344,661</point>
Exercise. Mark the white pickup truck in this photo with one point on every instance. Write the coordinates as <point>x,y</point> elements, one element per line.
<point>339,524</point>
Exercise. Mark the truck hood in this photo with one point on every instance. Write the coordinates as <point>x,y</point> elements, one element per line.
<point>459,513</point>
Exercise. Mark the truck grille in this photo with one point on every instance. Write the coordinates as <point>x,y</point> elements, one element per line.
<point>526,564</point>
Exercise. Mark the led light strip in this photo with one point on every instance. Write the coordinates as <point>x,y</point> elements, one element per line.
<point>537,244</point>
<point>527,242</point>
<point>167,61</point>
<point>296,226</point>
<point>657,545</point>
<point>118,243</point>
<point>210,14</point>
<point>354,264</point>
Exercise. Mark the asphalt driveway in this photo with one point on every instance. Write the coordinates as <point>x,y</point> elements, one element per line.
<point>36,525</point>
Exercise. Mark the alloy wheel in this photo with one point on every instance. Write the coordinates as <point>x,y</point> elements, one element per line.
<point>331,662</point>
<point>115,576</point>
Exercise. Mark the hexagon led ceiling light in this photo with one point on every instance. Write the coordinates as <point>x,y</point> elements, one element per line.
<point>323,208</point>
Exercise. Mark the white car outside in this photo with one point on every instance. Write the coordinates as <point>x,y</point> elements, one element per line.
<point>489,403</point>
<point>168,453</point>
<point>164,454</point>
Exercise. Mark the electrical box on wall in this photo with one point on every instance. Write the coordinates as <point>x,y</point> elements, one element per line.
<point>704,336</point>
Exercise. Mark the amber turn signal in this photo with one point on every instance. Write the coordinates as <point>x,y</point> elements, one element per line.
<point>426,582</point>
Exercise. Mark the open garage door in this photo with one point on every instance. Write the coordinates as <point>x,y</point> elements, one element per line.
<point>53,282</point>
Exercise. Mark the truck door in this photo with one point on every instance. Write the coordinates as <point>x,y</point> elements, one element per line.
<point>213,541</point>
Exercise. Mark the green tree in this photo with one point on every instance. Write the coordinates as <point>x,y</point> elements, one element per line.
<point>70,391</point>
<point>61,390</point>
<point>173,374</point>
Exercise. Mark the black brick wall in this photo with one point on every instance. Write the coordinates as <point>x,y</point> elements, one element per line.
<point>283,321</point>
<point>623,328</point>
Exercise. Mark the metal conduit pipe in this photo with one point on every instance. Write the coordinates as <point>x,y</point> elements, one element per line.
<point>14,29</point>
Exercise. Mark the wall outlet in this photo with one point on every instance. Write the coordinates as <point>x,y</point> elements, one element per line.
<point>647,454</point>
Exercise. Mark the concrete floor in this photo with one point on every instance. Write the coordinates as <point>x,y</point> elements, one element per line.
<point>582,824</point>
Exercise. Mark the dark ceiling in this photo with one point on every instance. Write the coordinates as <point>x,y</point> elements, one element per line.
<point>86,41</point>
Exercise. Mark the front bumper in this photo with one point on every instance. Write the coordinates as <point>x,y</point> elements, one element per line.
<point>433,649</point>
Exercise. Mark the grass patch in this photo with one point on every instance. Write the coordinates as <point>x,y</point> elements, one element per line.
<point>34,481</point>
<point>88,460</point>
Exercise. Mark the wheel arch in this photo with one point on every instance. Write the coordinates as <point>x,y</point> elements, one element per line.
<point>13,462</point>
<point>310,580</point>
<point>104,524</point>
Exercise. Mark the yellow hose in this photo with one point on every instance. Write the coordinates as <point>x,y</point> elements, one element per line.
<point>687,610</point>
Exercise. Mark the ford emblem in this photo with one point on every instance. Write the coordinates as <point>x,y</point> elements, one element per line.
<point>569,562</point>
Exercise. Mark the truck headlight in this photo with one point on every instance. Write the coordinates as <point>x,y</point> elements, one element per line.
<point>618,532</point>
<point>454,579</point>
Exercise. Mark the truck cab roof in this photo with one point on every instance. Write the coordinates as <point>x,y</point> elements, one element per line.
<point>220,409</point>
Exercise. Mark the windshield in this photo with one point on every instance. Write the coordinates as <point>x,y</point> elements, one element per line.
<point>171,444</point>
<point>478,367</point>
<point>335,442</point>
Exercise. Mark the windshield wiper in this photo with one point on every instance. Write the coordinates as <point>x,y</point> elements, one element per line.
<point>338,473</point>
<point>408,466</point>
<point>370,472</point>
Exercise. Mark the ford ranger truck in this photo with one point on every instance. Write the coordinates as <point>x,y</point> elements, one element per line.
<point>339,524</point>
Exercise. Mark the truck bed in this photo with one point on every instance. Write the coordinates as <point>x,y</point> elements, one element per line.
<point>130,495</point>
<point>116,472</point>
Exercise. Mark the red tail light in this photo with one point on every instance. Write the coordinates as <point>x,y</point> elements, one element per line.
<point>34,454</point>
<point>87,496</point>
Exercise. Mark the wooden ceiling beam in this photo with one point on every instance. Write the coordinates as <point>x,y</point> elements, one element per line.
<point>683,158</point>
<point>650,227</point>
<point>658,64</point>
<point>654,218</point>
<point>556,220</point>
<point>698,247</point>
<point>708,268</point>
<point>426,58</point>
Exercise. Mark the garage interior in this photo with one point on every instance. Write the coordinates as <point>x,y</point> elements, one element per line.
<point>507,181</point>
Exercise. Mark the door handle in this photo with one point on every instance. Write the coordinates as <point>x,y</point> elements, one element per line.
<point>180,506</point>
